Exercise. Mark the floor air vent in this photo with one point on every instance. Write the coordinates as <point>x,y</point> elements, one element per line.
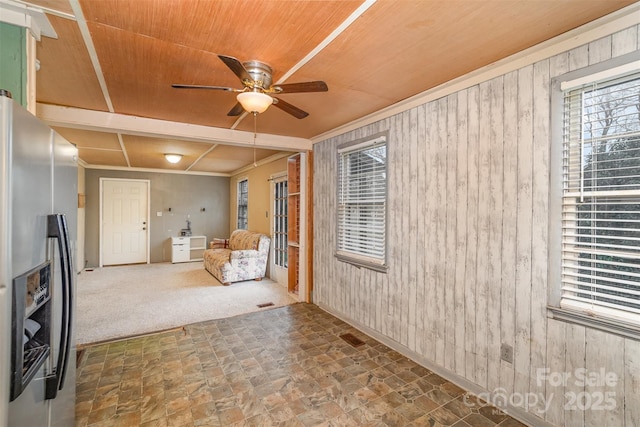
<point>352,339</point>
<point>266,304</point>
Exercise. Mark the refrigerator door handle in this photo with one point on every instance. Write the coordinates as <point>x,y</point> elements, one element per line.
<point>57,229</point>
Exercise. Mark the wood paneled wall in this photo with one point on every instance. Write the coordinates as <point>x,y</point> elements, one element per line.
<point>468,220</point>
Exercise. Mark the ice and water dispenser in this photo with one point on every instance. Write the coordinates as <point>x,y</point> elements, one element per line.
<point>31,313</point>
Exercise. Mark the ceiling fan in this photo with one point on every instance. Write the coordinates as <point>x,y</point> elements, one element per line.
<point>257,94</point>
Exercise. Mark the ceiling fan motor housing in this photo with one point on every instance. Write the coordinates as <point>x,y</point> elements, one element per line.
<point>260,73</point>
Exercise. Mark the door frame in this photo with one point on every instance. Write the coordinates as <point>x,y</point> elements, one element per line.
<point>148,217</point>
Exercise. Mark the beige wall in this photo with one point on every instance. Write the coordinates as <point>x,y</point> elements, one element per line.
<point>259,195</point>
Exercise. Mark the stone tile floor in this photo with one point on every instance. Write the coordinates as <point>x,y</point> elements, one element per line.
<point>279,367</point>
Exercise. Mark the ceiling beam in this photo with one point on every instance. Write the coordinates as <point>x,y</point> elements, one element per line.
<point>329,39</point>
<point>213,147</point>
<point>124,149</point>
<point>264,161</point>
<point>91,50</point>
<point>324,43</point>
<point>101,121</point>
<point>27,16</point>
<point>154,170</point>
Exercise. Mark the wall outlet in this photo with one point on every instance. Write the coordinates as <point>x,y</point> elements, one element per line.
<point>506,353</point>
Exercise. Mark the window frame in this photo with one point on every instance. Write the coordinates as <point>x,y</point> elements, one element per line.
<point>617,67</point>
<point>356,259</point>
<point>238,205</point>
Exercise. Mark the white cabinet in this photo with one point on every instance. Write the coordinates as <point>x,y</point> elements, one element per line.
<point>180,249</point>
<point>187,248</point>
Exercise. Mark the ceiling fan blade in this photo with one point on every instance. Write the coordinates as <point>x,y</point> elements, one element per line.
<point>288,108</point>
<point>236,66</point>
<point>317,86</point>
<point>229,89</point>
<point>236,110</point>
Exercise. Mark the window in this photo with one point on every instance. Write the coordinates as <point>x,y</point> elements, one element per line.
<point>362,202</point>
<point>280,223</point>
<point>600,262</point>
<point>243,204</point>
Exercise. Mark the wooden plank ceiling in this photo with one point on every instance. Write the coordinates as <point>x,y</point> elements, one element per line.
<point>393,50</point>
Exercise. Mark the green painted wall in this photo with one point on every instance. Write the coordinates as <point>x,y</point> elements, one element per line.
<point>13,61</point>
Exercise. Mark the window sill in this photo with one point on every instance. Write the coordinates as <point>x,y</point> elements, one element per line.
<point>362,263</point>
<point>624,329</point>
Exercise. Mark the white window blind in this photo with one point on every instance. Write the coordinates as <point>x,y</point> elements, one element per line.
<point>243,204</point>
<point>601,200</point>
<point>362,196</point>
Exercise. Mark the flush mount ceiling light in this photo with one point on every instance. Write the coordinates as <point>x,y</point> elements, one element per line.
<point>255,102</point>
<point>173,158</point>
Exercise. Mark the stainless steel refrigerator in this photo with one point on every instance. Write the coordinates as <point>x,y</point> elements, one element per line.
<point>38,215</point>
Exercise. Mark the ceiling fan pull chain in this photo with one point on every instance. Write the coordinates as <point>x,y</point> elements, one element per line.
<point>255,130</point>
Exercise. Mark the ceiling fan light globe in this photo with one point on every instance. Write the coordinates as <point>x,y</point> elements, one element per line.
<point>255,102</point>
<point>173,158</point>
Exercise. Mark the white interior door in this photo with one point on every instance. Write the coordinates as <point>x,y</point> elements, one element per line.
<point>125,221</point>
<point>279,231</point>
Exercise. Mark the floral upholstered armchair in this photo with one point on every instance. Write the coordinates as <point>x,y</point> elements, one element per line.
<point>244,259</point>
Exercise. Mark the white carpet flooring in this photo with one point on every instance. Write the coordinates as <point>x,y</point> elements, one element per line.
<point>121,301</point>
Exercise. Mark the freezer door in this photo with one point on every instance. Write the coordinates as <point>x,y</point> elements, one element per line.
<point>31,190</point>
